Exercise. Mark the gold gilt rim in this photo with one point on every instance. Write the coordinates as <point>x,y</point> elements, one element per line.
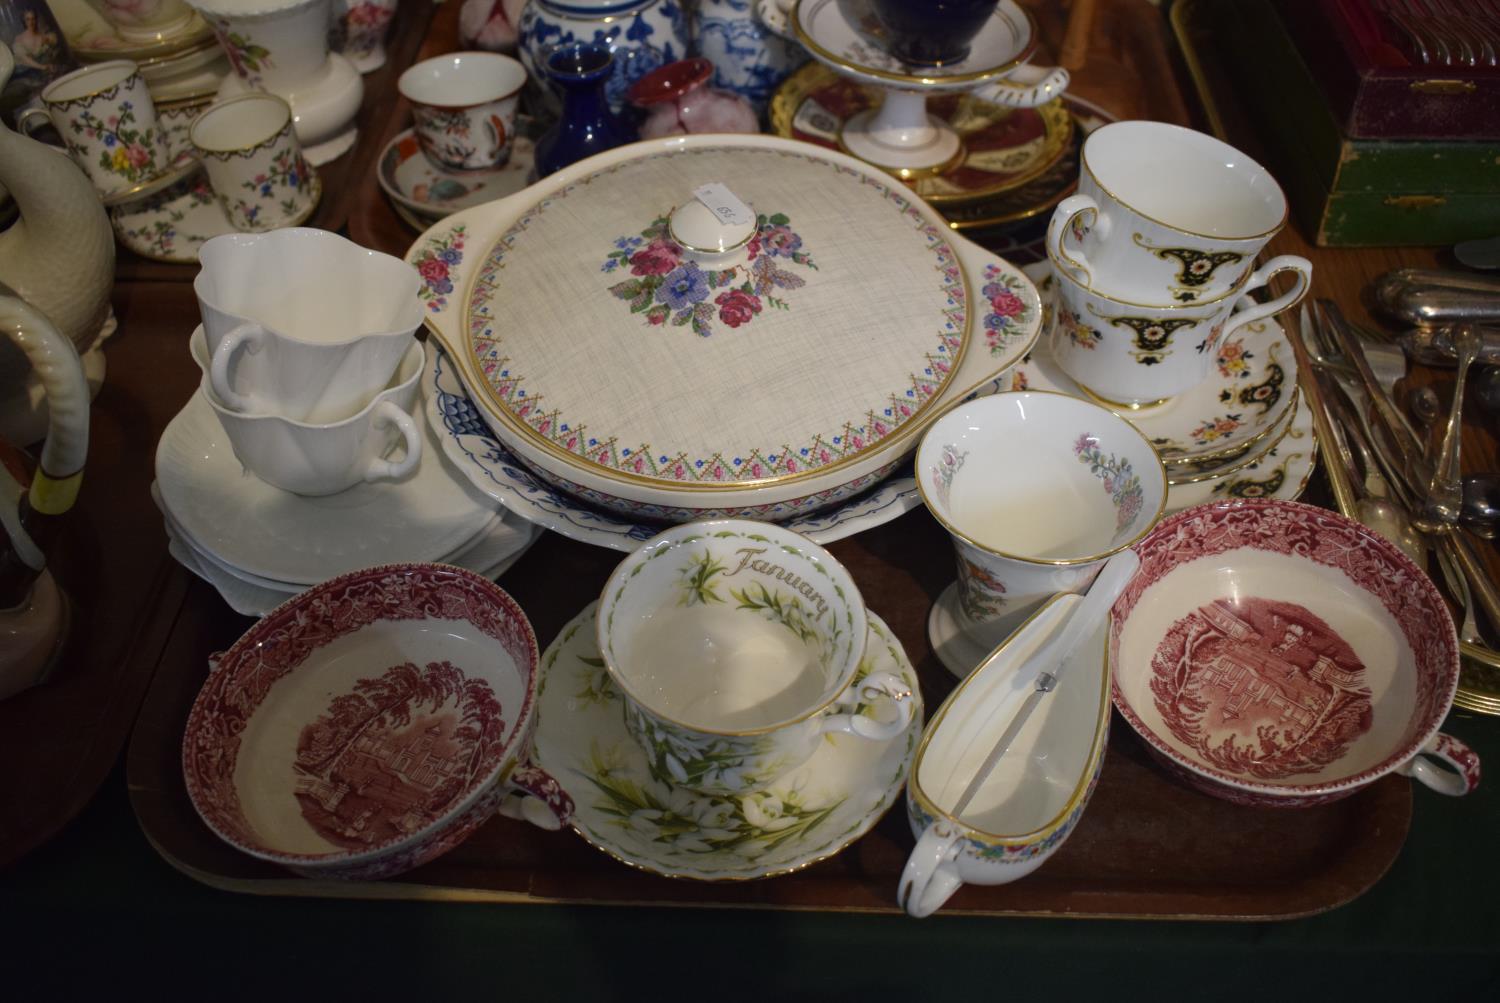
<point>1071,561</point>
<point>1293,395</point>
<point>920,418</point>
<point>629,567</point>
<point>1241,462</point>
<point>1080,790</point>
<point>1286,207</point>
<point>977,76</point>
<point>1058,126</point>
<point>871,819</point>
<point>166,179</point>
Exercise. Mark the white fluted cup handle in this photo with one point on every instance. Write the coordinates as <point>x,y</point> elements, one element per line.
<point>385,415</point>
<point>929,878</point>
<point>1026,87</point>
<point>868,690</point>
<point>251,337</point>
<point>1462,775</point>
<point>1068,211</point>
<point>1301,267</point>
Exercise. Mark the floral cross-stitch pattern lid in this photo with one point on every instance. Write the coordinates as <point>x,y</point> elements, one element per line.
<point>836,316</point>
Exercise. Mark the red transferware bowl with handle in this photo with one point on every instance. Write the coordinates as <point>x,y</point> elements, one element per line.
<point>1273,653</point>
<point>370,724</point>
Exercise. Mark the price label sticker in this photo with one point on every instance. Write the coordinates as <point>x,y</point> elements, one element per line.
<point>724,204</point>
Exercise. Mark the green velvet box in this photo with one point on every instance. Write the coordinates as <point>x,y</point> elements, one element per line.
<point>1353,192</point>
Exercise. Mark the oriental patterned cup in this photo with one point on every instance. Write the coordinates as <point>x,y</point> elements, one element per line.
<point>735,644</point>
<point>1127,353</point>
<point>1037,491</point>
<point>464,108</point>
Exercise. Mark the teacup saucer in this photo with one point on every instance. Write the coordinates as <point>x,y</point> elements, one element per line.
<point>183,165</point>
<point>809,815</point>
<point>1243,402</point>
<point>855,49</point>
<point>248,524</point>
<point>172,225</point>
<point>490,467</point>
<point>414,181</point>
<point>1004,148</point>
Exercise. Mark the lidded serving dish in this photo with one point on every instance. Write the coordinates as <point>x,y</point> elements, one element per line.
<point>703,326</point>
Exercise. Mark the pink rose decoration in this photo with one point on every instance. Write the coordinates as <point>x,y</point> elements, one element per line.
<point>737,307</point>
<point>433,270</point>
<point>657,258</point>
<point>1007,303</point>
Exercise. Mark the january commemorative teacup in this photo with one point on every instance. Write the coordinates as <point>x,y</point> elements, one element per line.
<point>1164,215</point>
<point>254,162</point>
<point>1127,353</point>
<point>1037,491</point>
<point>302,323</point>
<point>381,442</point>
<point>107,121</point>
<point>463,106</point>
<point>736,645</point>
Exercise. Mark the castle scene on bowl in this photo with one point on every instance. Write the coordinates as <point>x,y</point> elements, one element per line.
<point>683,433</point>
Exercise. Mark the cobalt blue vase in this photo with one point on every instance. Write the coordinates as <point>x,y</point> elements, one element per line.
<point>587,126</point>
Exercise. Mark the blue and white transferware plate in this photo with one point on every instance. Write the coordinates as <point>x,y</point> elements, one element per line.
<point>472,447</point>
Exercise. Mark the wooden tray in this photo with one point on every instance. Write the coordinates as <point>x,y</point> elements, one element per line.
<point>341,176</point>
<point>1147,847</point>
<point>60,739</point>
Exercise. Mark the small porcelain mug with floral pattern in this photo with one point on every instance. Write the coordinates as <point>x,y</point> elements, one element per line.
<point>1129,353</point>
<point>1037,490</point>
<point>107,120</point>
<point>464,108</point>
<point>254,162</point>
<point>737,646</point>
<point>1164,215</point>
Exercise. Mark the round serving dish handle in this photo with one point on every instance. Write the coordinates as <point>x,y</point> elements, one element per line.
<point>1462,774</point>
<point>929,877</point>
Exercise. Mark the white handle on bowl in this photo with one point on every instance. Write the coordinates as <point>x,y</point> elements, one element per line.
<point>252,336</point>
<point>1062,221</point>
<point>1026,87</point>
<point>868,690</point>
<point>385,415</point>
<point>929,878</point>
<point>1283,263</point>
<point>1463,774</point>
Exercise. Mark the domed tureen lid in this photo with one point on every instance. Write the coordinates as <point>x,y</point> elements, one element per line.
<point>718,317</point>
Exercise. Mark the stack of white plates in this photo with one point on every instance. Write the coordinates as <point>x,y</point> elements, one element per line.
<point>259,545</point>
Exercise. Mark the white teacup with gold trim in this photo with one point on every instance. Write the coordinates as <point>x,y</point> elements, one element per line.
<point>1164,214</point>
<point>736,645</point>
<point>255,163</point>
<point>107,121</point>
<point>1129,353</point>
<point>1037,490</point>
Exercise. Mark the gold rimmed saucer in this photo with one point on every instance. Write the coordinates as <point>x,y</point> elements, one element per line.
<point>1003,148</point>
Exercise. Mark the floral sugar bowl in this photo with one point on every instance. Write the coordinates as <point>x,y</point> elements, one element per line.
<point>641,34</point>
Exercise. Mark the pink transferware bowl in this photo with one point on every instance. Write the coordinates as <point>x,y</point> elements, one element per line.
<point>1272,653</point>
<point>369,724</point>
